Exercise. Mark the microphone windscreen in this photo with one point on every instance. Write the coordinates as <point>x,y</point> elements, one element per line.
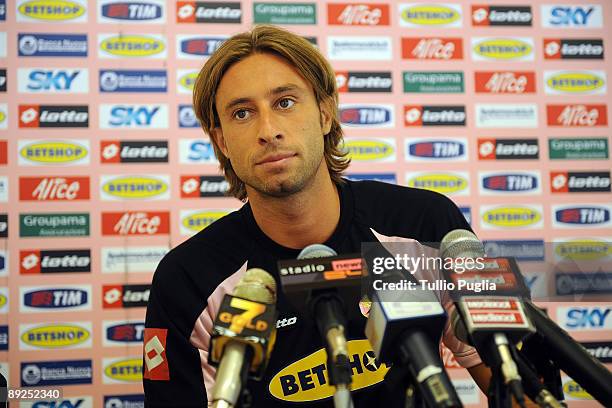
<point>461,243</point>
<point>316,251</point>
<point>256,285</point>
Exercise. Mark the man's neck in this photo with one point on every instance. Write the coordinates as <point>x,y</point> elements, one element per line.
<point>307,217</point>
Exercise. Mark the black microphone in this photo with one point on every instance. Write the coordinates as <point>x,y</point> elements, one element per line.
<point>492,323</point>
<point>533,387</point>
<point>243,335</point>
<point>318,281</point>
<point>551,340</point>
<point>406,329</point>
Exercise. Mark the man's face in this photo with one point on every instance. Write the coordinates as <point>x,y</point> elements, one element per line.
<point>271,125</point>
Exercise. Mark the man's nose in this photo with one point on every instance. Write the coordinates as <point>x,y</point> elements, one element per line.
<point>268,129</point>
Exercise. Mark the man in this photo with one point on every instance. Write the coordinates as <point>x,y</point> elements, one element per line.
<point>268,100</point>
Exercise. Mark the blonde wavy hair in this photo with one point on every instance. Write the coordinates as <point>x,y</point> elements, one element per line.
<point>303,56</point>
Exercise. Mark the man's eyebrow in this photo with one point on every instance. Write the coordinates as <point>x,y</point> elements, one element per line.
<point>276,91</point>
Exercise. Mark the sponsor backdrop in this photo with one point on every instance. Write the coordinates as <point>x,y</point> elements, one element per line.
<point>503,106</point>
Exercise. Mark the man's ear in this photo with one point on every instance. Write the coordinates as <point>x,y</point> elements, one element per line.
<point>217,135</point>
<point>325,108</point>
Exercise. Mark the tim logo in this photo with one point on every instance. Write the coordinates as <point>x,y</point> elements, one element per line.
<point>437,149</point>
<point>61,298</point>
<point>572,216</point>
<point>510,183</point>
<point>126,333</point>
<point>132,11</point>
<point>203,46</point>
<point>369,116</point>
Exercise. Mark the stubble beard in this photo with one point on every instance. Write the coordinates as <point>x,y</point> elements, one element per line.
<point>291,184</point>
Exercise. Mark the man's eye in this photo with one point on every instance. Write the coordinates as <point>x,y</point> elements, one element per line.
<point>241,114</point>
<point>286,103</point>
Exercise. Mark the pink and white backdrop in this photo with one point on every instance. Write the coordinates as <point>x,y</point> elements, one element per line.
<point>503,106</point>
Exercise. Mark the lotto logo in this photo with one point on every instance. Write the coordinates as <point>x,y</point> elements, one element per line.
<point>125,296</point>
<point>579,181</point>
<point>156,363</point>
<point>150,151</point>
<point>53,116</point>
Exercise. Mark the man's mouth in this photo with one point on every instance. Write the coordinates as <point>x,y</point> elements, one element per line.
<point>277,157</point>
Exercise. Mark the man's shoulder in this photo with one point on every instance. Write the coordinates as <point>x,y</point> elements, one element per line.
<point>393,196</point>
<point>405,211</point>
<point>209,256</point>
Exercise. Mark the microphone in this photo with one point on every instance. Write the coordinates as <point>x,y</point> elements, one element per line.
<point>318,281</point>
<point>243,335</point>
<point>407,329</point>
<point>534,388</point>
<point>549,339</point>
<point>488,321</point>
<point>328,309</point>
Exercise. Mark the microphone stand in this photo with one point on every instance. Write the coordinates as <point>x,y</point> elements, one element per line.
<point>535,352</point>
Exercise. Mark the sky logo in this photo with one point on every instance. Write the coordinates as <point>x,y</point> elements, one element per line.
<point>196,151</point>
<point>64,403</point>
<point>38,80</point>
<point>585,318</point>
<point>576,16</point>
<point>134,116</point>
